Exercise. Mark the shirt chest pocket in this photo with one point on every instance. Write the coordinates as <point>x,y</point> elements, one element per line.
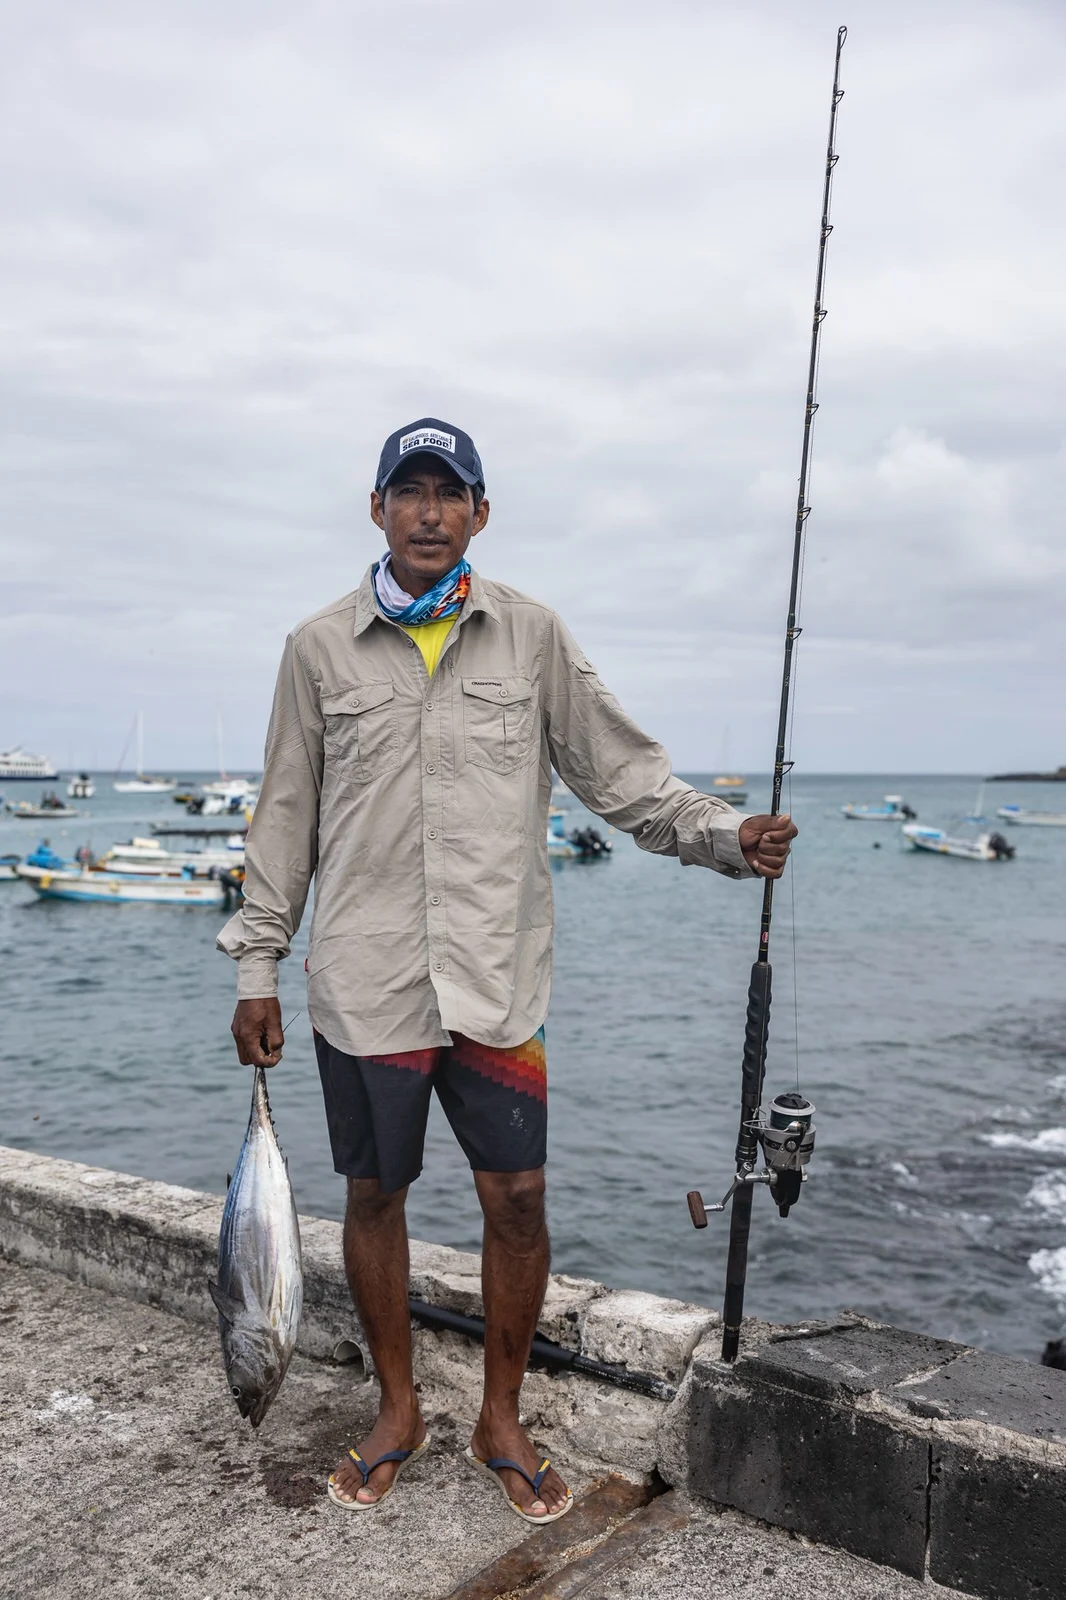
<point>360,739</point>
<point>499,722</point>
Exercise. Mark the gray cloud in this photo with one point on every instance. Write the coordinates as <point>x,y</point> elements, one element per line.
<point>241,246</point>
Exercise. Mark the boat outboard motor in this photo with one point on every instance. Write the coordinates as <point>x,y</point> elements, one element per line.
<point>908,812</point>
<point>1000,848</point>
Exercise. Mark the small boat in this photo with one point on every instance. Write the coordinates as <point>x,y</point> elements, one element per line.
<point>87,885</point>
<point>81,787</point>
<point>893,809</point>
<point>141,784</point>
<point>580,844</point>
<point>146,858</point>
<point>51,806</point>
<point>225,788</point>
<point>1032,819</point>
<point>730,787</point>
<point>7,869</point>
<point>220,805</point>
<point>150,854</point>
<point>979,847</point>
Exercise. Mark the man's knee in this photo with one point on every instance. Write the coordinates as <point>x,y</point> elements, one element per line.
<point>513,1202</point>
<point>368,1204</point>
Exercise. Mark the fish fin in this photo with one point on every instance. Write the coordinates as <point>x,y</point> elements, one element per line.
<point>224,1303</point>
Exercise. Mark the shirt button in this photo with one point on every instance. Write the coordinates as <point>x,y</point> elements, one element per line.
<point>354,700</point>
<point>431,833</point>
<point>438,966</point>
<point>429,705</point>
<point>430,767</point>
<point>434,899</point>
<point>503,694</point>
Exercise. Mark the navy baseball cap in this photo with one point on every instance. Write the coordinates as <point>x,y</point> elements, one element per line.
<point>430,436</point>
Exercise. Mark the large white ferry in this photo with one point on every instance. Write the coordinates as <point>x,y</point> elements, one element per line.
<point>18,763</point>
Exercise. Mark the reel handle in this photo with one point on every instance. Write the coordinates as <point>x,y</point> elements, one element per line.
<point>696,1209</point>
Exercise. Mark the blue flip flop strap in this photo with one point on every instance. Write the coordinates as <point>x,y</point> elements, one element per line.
<point>534,1483</point>
<point>390,1455</point>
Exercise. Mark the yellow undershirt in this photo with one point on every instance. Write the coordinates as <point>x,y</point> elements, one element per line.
<point>430,638</point>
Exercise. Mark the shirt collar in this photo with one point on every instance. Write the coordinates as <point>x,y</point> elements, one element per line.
<point>366,606</point>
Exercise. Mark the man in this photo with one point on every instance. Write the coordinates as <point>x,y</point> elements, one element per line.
<point>408,770</point>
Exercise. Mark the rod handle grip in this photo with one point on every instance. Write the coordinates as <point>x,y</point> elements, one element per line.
<point>756,1029</point>
<point>696,1209</point>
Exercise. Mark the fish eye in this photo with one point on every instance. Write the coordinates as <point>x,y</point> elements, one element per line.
<point>236,1391</point>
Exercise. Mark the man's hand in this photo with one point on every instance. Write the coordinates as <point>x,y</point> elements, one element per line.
<point>257,1031</point>
<point>764,842</point>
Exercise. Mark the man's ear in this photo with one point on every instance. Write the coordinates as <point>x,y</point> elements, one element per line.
<point>481,516</point>
<point>377,508</point>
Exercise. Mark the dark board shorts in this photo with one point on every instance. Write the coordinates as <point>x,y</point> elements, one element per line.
<point>377,1107</point>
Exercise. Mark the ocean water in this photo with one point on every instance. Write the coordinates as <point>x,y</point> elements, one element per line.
<point>919,1000</point>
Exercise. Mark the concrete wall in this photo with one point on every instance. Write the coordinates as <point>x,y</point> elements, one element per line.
<point>157,1243</point>
<point>910,1451</point>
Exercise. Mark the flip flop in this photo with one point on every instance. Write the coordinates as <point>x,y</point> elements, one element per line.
<point>492,1468</point>
<point>402,1456</point>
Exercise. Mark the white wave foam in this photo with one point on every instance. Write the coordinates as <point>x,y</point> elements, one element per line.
<point>1048,1194</point>
<point>1050,1269</point>
<point>1048,1139</point>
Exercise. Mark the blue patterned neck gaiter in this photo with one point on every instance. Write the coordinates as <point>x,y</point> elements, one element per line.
<point>445,599</point>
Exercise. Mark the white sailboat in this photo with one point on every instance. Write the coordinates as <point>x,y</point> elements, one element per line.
<point>140,784</point>
<point>224,787</point>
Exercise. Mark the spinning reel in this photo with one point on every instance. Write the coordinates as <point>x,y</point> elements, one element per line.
<point>787,1141</point>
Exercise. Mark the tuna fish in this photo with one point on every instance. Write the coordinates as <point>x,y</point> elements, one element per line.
<point>259,1293</point>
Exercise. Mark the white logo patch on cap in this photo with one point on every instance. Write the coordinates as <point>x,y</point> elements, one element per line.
<point>427,439</point>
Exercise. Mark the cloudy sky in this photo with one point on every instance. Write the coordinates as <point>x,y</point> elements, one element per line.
<point>242,243</point>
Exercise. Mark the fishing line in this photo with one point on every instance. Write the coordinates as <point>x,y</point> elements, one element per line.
<point>786,1136</point>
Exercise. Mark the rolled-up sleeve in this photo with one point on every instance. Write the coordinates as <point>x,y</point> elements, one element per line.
<point>282,845</point>
<point>624,775</point>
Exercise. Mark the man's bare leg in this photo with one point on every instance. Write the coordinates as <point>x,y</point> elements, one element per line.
<point>514,1276</point>
<point>376,1262</point>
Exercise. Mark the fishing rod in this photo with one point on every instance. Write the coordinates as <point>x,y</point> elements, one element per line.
<point>545,1352</point>
<point>786,1137</point>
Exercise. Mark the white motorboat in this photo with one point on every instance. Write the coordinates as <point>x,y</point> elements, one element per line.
<point>1021,818</point>
<point>140,784</point>
<point>147,857</point>
<point>976,847</point>
<point>18,764</point>
<point>893,809</point>
<point>81,787</point>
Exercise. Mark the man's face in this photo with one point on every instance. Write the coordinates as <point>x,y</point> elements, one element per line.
<point>428,517</point>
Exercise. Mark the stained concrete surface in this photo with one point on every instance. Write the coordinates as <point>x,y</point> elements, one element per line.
<point>723,1556</point>
<point>127,1473</point>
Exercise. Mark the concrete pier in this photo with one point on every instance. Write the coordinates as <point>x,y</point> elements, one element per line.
<point>909,1462</point>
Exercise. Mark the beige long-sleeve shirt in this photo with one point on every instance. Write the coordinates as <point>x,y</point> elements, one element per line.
<point>419,806</point>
